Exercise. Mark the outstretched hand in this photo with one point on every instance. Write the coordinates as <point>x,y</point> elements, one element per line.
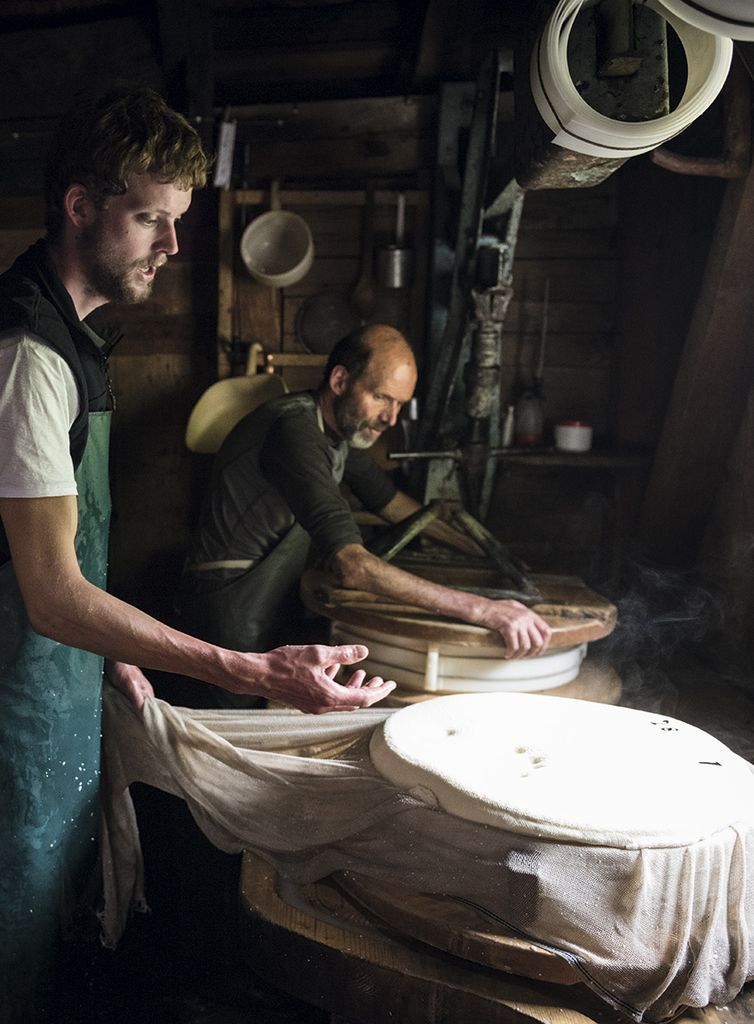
<point>304,677</point>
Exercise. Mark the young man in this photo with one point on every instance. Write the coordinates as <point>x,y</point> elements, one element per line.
<point>274,494</point>
<point>120,176</point>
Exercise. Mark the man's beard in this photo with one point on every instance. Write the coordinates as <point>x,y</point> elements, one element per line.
<point>109,275</point>
<point>349,424</point>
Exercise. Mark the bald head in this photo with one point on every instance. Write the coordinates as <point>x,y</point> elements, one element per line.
<point>356,351</point>
<point>383,337</point>
<point>388,350</point>
<point>370,374</point>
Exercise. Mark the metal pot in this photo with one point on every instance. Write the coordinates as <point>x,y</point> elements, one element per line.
<point>394,262</point>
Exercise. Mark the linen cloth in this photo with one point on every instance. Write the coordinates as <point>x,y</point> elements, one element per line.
<point>652,931</point>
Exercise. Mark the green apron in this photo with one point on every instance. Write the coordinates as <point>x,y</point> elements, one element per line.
<point>49,767</point>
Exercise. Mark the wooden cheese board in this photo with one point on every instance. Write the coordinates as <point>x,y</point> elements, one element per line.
<point>318,944</point>
<point>575,613</point>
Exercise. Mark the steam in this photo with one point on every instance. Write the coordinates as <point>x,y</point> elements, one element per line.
<point>676,650</point>
<point>661,613</point>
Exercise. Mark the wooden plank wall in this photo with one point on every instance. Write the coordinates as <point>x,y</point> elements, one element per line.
<point>44,68</point>
<point>555,518</point>
<point>558,518</point>
<point>711,388</point>
<point>266,316</point>
<point>666,226</point>
<point>569,238</point>
<point>589,243</point>
<point>625,261</point>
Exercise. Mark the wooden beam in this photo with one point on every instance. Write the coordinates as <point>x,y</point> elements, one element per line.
<point>710,391</point>
<point>186,43</point>
<point>328,197</point>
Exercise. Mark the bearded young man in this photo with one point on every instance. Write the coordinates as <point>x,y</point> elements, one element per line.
<point>274,502</point>
<point>119,177</point>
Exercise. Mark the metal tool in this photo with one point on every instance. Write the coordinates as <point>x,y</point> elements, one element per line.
<point>512,571</point>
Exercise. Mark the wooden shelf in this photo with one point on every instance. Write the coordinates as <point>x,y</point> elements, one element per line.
<point>328,197</point>
<point>270,361</point>
<point>594,459</point>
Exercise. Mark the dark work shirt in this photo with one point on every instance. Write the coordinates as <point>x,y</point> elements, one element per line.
<point>276,467</point>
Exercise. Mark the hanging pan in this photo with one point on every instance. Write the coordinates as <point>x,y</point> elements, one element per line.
<point>323,319</point>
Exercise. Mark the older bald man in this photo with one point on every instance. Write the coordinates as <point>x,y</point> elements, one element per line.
<point>275,496</point>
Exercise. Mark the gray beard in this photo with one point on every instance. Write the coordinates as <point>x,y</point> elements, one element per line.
<point>347,429</point>
<point>359,441</point>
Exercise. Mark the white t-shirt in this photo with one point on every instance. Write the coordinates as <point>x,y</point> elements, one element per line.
<point>39,402</point>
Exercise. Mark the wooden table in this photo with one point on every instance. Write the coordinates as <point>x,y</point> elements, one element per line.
<point>348,962</point>
<point>575,613</point>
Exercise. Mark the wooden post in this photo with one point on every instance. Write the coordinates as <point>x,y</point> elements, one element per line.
<point>710,391</point>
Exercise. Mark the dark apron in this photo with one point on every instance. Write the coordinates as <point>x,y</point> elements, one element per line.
<point>254,611</point>
<point>49,767</point>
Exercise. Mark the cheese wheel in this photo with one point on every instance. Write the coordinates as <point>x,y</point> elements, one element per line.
<point>564,769</point>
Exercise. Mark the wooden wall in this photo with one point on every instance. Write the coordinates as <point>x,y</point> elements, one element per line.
<point>43,70</point>
<point>163,364</point>
<point>666,226</point>
<point>556,517</point>
<point>623,260</point>
<point>337,221</point>
<point>569,239</point>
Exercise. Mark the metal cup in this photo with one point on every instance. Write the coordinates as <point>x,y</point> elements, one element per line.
<point>395,267</point>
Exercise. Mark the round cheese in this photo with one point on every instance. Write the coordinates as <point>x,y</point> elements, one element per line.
<point>564,769</point>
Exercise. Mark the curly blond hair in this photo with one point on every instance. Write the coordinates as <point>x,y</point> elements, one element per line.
<point>103,140</point>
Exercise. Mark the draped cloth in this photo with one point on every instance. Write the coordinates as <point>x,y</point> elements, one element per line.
<point>652,931</point>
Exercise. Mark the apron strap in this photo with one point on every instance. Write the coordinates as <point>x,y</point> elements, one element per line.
<point>224,563</point>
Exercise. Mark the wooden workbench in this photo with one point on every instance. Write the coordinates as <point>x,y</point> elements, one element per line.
<point>347,962</point>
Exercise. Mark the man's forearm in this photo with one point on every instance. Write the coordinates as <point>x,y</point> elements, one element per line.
<point>78,614</point>
<point>521,629</point>
<point>63,605</point>
<point>358,569</point>
<point>302,676</point>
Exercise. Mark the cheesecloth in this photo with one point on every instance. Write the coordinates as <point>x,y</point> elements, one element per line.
<point>652,931</point>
